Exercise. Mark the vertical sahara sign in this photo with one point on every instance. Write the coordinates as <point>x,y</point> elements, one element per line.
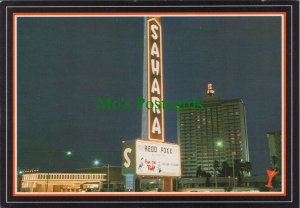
<point>155,80</point>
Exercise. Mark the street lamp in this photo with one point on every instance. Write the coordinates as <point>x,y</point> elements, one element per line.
<point>108,177</point>
<point>159,184</point>
<point>219,145</point>
<point>68,153</point>
<point>233,174</point>
<point>96,162</point>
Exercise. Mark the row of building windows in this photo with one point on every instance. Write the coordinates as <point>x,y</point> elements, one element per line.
<point>63,176</point>
<point>225,112</point>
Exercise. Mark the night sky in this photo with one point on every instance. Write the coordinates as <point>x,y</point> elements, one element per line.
<point>66,64</point>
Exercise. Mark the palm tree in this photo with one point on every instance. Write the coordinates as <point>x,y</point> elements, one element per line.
<point>274,167</point>
<point>202,173</point>
<point>225,169</point>
<point>198,172</point>
<point>247,167</point>
<point>137,185</point>
<point>216,166</point>
<point>274,161</point>
<point>238,170</point>
<point>207,175</point>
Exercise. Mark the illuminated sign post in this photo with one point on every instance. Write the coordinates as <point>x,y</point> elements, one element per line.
<point>155,80</point>
<point>128,165</point>
<point>155,86</point>
<point>152,157</point>
<point>143,157</point>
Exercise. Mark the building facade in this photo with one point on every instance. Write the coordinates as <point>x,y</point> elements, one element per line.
<point>61,182</point>
<point>114,180</point>
<point>104,179</point>
<point>275,145</point>
<point>216,132</point>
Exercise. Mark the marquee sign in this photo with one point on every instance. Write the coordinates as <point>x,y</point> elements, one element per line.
<point>155,80</point>
<point>142,157</point>
<point>157,159</point>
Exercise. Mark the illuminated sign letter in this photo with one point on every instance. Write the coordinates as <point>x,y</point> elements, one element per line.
<point>155,87</point>
<point>154,50</point>
<point>153,30</point>
<point>155,67</point>
<point>156,126</point>
<point>127,159</point>
<point>156,105</point>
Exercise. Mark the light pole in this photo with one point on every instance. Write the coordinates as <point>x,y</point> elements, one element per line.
<point>49,162</point>
<point>68,154</point>
<point>19,181</point>
<point>96,163</point>
<point>159,184</point>
<point>219,145</point>
<point>108,177</point>
<point>233,174</point>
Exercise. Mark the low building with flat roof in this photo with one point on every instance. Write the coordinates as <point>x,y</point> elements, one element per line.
<point>62,182</point>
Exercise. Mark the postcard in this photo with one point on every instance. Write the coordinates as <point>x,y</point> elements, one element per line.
<point>142,103</point>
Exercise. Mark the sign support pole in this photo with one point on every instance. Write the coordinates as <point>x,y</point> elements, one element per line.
<point>155,86</point>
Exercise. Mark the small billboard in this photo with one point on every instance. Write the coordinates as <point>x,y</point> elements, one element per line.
<point>157,159</point>
<point>149,158</point>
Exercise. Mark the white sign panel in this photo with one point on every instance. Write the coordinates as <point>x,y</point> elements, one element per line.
<point>157,159</point>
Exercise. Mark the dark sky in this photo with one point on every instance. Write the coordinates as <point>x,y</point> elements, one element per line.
<point>66,64</point>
